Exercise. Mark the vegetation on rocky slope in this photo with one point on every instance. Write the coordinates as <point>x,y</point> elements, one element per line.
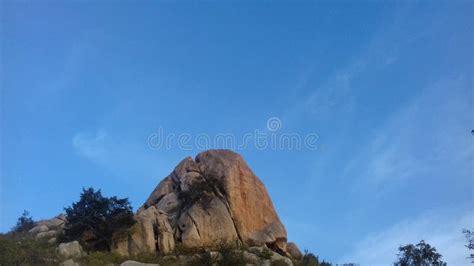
<point>22,249</point>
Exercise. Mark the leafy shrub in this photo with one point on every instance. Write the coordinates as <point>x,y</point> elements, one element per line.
<point>280,262</point>
<point>148,258</point>
<point>419,254</point>
<point>24,223</point>
<point>469,234</point>
<point>180,249</point>
<point>264,254</point>
<point>22,249</point>
<point>201,191</point>
<point>205,259</point>
<point>309,259</point>
<point>230,255</point>
<point>98,217</point>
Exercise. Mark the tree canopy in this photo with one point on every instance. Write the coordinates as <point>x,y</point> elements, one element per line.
<point>24,223</point>
<point>469,234</point>
<point>95,218</point>
<point>419,254</point>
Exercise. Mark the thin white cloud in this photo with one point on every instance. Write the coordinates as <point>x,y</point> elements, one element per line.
<point>439,229</point>
<point>118,157</point>
<point>336,93</point>
<point>428,139</point>
<point>431,135</point>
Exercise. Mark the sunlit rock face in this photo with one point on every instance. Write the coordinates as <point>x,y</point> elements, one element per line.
<point>203,203</point>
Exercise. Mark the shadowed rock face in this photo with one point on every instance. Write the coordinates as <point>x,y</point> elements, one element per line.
<point>213,199</point>
<point>49,229</point>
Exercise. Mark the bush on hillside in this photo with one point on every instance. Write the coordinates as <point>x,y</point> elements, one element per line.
<point>24,223</point>
<point>201,191</point>
<point>228,255</point>
<point>419,254</point>
<point>23,249</point>
<point>101,258</point>
<point>309,259</point>
<point>95,218</point>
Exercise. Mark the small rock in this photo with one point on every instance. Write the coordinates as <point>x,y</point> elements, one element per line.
<point>251,258</point>
<point>70,250</point>
<point>215,255</point>
<point>277,257</point>
<point>39,229</point>
<point>294,251</point>
<point>170,258</point>
<point>136,263</point>
<point>49,234</point>
<point>55,222</point>
<point>52,240</point>
<point>69,262</point>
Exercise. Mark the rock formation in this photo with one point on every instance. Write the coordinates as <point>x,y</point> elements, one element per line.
<point>70,250</point>
<point>203,203</point>
<point>49,229</point>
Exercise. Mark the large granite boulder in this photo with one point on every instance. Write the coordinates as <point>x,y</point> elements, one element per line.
<point>204,202</point>
<point>70,250</point>
<point>207,225</point>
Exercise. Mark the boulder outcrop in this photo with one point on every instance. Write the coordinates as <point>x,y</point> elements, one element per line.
<point>203,203</point>
<point>49,229</point>
<point>294,251</point>
<point>70,250</point>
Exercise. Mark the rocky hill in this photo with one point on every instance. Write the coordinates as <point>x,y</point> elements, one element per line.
<point>206,207</point>
<point>204,202</point>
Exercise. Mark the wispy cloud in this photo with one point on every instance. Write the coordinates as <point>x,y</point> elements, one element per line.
<point>440,229</point>
<point>118,157</point>
<point>427,140</point>
<point>430,135</point>
<point>335,93</point>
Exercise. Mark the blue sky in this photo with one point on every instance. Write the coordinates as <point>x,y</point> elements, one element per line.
<point>387,87</point>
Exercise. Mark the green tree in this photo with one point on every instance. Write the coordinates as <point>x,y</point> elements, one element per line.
<point>421,254</point>
<point>95,218</point>
<point>24,223</point>
<point>309,259</point>
<point>469,234</point>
